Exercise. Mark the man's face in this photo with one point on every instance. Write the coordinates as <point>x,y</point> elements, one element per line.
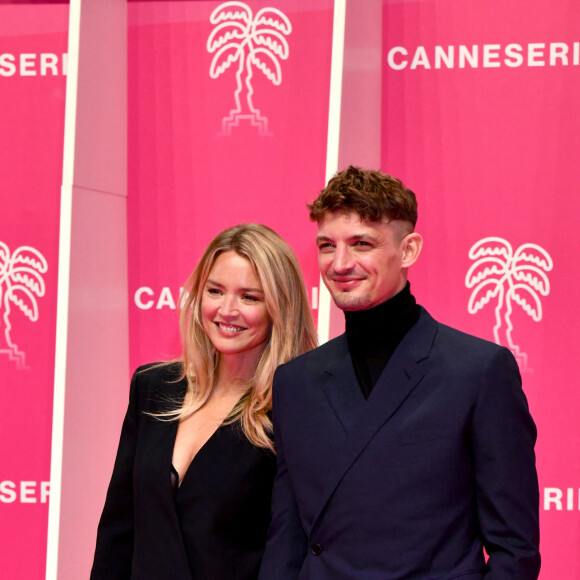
<point>362,263</point>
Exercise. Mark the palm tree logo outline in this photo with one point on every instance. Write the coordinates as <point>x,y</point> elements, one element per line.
<point>510,277</point>
<point>20,283</point>
<point>251,41</point>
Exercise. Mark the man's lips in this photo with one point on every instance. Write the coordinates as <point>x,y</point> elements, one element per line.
<point>346,281</point>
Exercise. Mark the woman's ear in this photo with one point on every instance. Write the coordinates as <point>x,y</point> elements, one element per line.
<point>412,245</point>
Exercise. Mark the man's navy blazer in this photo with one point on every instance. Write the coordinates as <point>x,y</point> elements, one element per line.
<point>413,482</point>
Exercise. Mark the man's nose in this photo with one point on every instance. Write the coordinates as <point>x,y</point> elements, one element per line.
<point>342,259</point>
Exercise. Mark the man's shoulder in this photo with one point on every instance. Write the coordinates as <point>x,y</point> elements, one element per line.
<point>318,357</point>
<point>464,345</point>
<point>460,337</point>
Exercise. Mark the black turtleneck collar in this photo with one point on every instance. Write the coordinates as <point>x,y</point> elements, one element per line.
<point>374,334</point>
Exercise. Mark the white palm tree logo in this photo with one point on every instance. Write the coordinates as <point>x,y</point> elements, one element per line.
<point>251,41</point>
<point>20,283</point>
<point>508,276</point>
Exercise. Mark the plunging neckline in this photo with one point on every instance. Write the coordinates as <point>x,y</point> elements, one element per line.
<point>173,470</point>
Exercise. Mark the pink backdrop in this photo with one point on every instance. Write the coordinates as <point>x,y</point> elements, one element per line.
<point>32,89</point>
<point>479,118</point>
<point>187,180</point>
<point>492,152</point>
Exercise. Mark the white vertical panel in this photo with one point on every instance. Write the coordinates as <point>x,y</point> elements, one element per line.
<point>333,142</point>
<point>92,307</point>
<point>63,292</point>
<point>354,122</point>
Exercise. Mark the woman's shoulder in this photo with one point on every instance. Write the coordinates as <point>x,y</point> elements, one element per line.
<point>159,381</point>
<point>167,372</point>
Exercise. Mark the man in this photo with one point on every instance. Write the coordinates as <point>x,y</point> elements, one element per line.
<point>405,448</point>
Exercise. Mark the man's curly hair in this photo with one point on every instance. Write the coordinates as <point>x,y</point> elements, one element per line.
<point>371,194</point>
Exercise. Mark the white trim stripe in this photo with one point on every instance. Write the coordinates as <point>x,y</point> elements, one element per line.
<point>62,308</point>
<point>333,141</point>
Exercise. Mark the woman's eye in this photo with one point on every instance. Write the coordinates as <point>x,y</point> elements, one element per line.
<point>250,298</point>
<point>214,291</point>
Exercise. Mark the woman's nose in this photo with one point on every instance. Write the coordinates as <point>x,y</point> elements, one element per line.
<point>229,306</point>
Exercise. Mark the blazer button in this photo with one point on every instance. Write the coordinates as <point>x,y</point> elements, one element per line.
<point>316,549</point>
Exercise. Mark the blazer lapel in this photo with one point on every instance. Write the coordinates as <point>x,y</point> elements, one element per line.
<point>341,389</point>
<point>398,380</point>
<point>402,373</point>
<point>161,443</point>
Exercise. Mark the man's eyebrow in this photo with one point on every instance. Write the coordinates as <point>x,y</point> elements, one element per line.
<point>353,238</point>
<point>362,237</point>
<point>321,238</point>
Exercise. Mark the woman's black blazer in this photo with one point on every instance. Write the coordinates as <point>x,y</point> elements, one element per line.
<point>212,528</point>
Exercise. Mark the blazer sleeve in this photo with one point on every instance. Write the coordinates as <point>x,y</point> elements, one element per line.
<point>114,549</point>
<point>287,542</point>
<point>503,438</point>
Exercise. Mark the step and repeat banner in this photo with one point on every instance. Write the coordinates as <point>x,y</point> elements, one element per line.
<point>480,119</point>
<point>33,45</point>
<point>228,115</point>
<point>227,123</point>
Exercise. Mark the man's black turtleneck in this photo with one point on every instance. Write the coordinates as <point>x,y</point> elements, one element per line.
<point>374,334</point>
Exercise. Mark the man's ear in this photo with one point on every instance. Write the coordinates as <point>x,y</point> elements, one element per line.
<point>412,245</point>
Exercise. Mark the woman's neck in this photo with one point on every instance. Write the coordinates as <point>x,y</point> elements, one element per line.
<point>235,371</point>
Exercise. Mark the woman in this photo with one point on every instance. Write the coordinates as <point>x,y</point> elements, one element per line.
<point>190,493</point>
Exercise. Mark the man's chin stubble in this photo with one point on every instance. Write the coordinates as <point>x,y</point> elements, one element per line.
<point>346,302</point>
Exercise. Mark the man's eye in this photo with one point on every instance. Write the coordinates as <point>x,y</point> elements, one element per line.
<point>326,246</point>
<point>362,244</point>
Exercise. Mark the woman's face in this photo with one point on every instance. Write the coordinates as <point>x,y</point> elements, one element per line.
<point>233,310</point>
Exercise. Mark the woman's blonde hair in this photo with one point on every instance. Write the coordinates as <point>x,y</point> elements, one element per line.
<point>287,305</point>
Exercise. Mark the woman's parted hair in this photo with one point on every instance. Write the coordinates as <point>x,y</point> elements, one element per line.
<point>292,332</point>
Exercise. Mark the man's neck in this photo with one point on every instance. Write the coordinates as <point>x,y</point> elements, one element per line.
<point>374,334</point>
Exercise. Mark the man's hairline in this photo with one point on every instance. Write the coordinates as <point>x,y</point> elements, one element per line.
<point>383,219</point>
